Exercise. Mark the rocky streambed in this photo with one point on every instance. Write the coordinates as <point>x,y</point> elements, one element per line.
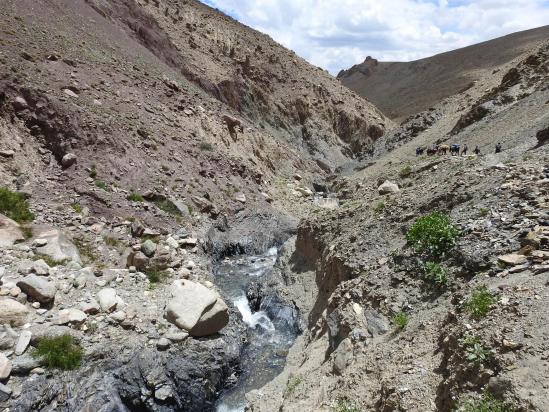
<point>271,325</point>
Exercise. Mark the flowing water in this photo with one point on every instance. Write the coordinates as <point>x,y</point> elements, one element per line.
<point>268,338</point>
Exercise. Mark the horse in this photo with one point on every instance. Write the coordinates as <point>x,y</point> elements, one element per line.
<point>454,149</point>
<point>443,149</point>
<point>431,151</point>
<point>419,151</point>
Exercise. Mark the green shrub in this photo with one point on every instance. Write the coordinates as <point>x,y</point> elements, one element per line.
<point>111,241</point>
<point>379,208</point>
<point>77,207</point>
<point>167,206</point>
<point>15,206</point>
<point>435,273</point>
<point>400,320</point>
<point>475,351</point>
<point>483,212</point>
<point>93,172</point>
<point>292,384</point>
<point>405,172</point>
<point>207,147</point>
<point>156,276</point>
<point>433,234</point>
<point>60,352</point>
<point>480,302</point>
<point>345,406</point>
<point>486,404</point>
<point>135,197</point>
<point>86,250</point>
<point>51,261</point>
<point>102,185</point>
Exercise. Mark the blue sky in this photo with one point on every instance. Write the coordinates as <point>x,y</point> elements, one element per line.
<point>337,34</point>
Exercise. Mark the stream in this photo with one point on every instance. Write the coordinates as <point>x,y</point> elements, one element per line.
<point>270,333</point>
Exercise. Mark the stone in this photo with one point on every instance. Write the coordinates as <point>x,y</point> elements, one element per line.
<point>163,344</point>
<point>68,160</point>
<point>212,321</point>
<point>40,267</point>
<point>23,342</point>
<point>70,93</point>
<point>38,288</point>
<point>7,153</point>
<point>8,337</point>
<point>190,242</point>
<point>240,197</point>
<point>5,392</point>
<point>388,188</point>
<point>163,393</point>
<point>19,103</point>
<point>119,316</point>
<point>513,259</point>
<point>148,248</point>
<point>177,336</point>
<point>90,308</point>
<point>5,367</point>
<point>59,247</point>
<point>138,260</point>
<point>181,207</point>
<point>196,309</point>
<point>172,243</point>
<point>23,364</point>
<point>305,191</point>
<point>10,232</point>
<point>137,229</point>
<point>73,316</point>
<point>184,273</point>
<point>377,324</point>
<point>107,299</point>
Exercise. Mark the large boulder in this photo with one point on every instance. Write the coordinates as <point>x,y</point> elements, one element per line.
<point>10,232</point>
<point>74,316</point>
<point>58,247</point>
<point>38,288</point>
<point>12,312</point>
<point>196,309</point>
<point>387,188</point>
<point>107,299</point>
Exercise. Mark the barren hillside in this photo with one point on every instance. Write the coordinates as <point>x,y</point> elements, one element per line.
<point>401,89</point>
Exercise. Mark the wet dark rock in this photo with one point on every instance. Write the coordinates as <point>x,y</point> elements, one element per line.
<point>249,232</point>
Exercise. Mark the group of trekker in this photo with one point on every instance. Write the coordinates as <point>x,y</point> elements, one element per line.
<point>454,150</point>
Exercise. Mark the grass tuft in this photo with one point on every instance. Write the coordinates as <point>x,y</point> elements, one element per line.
<point>15,206</point>
<point>135,197</point>
<point>480,302</point>
<point>60,352</point>
<point>205,146</point>
<point>345,406</point>
<point>486,404</point>
<point>400,320</point>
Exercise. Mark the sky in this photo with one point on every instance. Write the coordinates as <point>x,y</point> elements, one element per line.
<point>336,34</point>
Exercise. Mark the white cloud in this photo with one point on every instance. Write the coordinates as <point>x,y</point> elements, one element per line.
<point>337,34</point>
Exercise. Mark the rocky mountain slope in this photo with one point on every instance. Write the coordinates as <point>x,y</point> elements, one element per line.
<point>401,89</point>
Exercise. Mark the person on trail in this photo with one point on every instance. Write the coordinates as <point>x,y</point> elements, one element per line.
<point>464,151</point>
<point>498,148</point>
<point>477,150</point>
